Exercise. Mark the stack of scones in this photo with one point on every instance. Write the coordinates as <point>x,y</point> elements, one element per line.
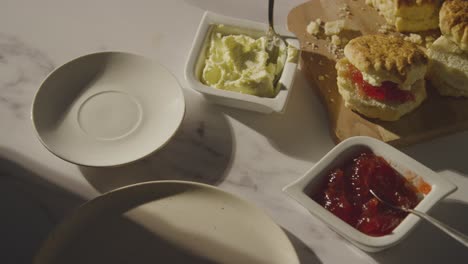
<point>383,76</point>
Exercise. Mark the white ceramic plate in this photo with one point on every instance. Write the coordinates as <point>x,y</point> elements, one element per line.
<point>107,109</point>
<point>167,222</point>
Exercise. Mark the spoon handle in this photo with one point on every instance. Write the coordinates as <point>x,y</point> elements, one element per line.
<point>271,5</point>
<point>462,238</point>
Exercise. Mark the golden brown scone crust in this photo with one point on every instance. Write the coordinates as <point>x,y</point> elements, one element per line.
<point>378,53</point>
<point>453,22</point>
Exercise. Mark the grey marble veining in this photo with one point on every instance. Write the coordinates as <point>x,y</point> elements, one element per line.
<point>22,68</point>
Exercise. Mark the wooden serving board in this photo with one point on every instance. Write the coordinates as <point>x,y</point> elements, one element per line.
<point>436,116</point>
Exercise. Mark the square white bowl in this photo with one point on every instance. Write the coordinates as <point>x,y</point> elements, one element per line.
<point>196,62</point>
<point>313,179</point>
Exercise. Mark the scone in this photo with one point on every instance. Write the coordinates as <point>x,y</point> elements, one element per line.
<point>448,67</point>
<point>382,76</point>
<point>454,22</point>
<point>409,15</point>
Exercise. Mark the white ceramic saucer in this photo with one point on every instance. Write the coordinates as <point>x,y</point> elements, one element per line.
<point>107,109</point>
<point>167,222</point>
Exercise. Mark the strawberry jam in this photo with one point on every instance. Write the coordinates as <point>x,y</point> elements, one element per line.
<point>388,91</point>
<point>345,193</point>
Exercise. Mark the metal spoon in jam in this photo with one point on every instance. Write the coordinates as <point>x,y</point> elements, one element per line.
<point>462,238</point>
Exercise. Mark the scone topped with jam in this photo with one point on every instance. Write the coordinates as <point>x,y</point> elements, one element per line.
<point>448,68</point>
<point>382,76</point>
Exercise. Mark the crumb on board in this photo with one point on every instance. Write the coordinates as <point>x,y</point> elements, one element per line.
<point>331,30</point>
<point>335,40</point>
<point>311,45</point>
<point>313,28</point>
<point>345,11</point>
<point>429,40</point>
<point>415,38</point>
<point>334,27</point>
<point>321,78</point>
<point>334,46</point>
<point>386,29</point>
<point>344,41</point>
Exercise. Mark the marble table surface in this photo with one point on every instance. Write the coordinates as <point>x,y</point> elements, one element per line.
<point>251,155</point>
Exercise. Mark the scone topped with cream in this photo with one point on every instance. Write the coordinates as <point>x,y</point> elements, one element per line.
<point>382,76</point>
<point>448,67</point>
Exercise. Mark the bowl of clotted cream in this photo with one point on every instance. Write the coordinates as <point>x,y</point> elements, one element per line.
<point>230,64</point>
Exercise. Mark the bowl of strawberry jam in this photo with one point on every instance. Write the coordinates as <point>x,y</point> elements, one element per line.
<point>336,190</point>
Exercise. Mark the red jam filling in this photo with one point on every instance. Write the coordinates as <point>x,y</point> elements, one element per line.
<point>388,91</point>
<point>345,193</point>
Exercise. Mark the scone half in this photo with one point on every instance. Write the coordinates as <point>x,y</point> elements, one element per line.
<point>409,15</point>
<point>401,103</point>
<point>448,68</point>
<point>454,22</point>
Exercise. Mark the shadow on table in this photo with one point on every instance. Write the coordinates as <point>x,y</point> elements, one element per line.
<point>305,254</point>
<point>31,206</point>
<point>444,153</point>
<point>301,131</point>
<point>427,244</point>
<point>200,152</point>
